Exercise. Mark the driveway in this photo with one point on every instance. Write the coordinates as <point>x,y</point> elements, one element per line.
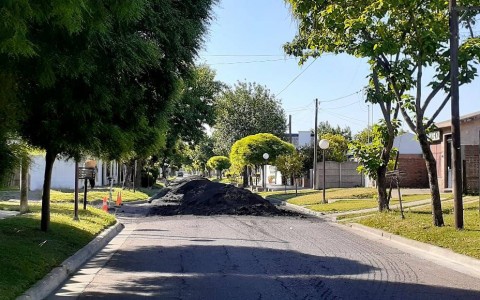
<point>245,257</point>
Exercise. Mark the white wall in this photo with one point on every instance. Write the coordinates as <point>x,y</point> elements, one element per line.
<point>63,174</point>
<point>407,143</point>
<point>304,138</point>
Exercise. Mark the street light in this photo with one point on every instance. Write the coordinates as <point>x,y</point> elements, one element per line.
<point>324,146</point>
<point>265,157</point>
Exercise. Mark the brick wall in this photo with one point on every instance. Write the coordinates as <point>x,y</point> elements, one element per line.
<point>416,171</point>
<point>471,168</point>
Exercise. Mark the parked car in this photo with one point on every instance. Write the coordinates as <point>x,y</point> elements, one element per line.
<point>180,174</point>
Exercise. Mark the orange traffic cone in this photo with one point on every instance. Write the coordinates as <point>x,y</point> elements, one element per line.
<point>105,205</point>
<point>119,199</point>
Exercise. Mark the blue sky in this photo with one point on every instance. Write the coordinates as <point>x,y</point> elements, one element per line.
<point>245,44</point>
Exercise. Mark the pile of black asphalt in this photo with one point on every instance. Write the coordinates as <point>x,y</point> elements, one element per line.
<point>196,195</point>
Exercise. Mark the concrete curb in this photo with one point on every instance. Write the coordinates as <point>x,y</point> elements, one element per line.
<point>468,265</point>
<point>52,280</point>
<point>466,261</point>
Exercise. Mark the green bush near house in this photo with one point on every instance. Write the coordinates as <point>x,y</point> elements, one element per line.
<point>28,254</point>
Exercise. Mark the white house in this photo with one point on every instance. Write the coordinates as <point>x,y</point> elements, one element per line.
<point>63,173</point>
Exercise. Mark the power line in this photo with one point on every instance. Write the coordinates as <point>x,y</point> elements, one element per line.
<point>250,61</point>
<point>347,118</point>
<point>244,55</point>
<point>296,77</point>
<point>301,108</point>
<point>347,105</point>
<point>342,97</point>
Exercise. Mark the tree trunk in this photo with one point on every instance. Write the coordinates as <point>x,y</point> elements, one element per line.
<point>138,175</point>
<point>245,176</point>
<point>24,187</point>
<point>47,181</point>
<point>127,180</point>
<point>382,188</point>
<point>432,180</point>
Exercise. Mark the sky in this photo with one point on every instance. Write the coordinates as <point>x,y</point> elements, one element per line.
<point>245,42</point>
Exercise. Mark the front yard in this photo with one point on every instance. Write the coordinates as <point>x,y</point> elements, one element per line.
<point>28,254</point>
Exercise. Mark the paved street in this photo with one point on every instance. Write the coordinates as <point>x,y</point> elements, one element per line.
<point>243,257</point>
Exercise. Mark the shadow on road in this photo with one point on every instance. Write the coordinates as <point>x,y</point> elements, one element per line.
<point>230,272</point>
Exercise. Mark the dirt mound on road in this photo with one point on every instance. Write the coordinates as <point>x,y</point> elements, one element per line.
<point>199,196</point>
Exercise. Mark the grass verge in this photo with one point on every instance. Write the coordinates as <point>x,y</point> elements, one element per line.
<point>27,254</point>
<point>341,200</point>
<point>418,225</point>
<point>99,193</point>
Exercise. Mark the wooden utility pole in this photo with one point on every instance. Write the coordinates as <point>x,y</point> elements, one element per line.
<point>290,128</point>
<point>456,151</point>
<point>315,142</point>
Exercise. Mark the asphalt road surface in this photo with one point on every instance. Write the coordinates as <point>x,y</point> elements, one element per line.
<point>245,257</point>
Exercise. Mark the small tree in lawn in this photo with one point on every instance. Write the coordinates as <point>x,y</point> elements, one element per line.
<point>248,152</point>
<point>290,164</point>
<point>372,159</point>
<point>219,163</point>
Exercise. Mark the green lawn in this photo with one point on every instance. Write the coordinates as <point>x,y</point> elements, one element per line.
<point>345,199</point>
<point>418,225</point>
<point>28,254</point>
<point>98,194</point>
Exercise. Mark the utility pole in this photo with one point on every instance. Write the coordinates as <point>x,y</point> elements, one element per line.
<point>290,128</point>
<point>454,90</point>
<point>315,144</point>
<point>456,151</point>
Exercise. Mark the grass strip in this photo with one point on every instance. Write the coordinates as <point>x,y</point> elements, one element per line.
<point>418,225</point>
<point>27,254</point>
<point>98,194</point>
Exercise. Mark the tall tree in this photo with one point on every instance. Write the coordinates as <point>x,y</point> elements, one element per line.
<point>325,127</point>
<point>400,39</point>
<point>201,153</point>
<point>100,75</point>
<point>193,109</point>
<point>247,109</point>
<point>337,150</point>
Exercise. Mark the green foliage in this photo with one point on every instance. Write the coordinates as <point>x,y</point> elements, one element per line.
<point>245,110</point>
<point>201,153</point>
<point>218,163</point>
<point>249,150</point>
<point>196,105</point>
<point>28,255</point>
<point>400,39</point>
<point>371,155</point>
<point>290,164</point>
<point>98,77</point>
<point>338,147</point>
<point>194,108</point>
<point>325,128</point>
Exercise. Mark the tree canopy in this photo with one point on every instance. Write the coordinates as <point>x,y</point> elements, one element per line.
<point>400,39</point>
<point>250,150</point>
<point>325,128</point>
<point>338,147</point>
<point>95,76</point>
<point>219,163</point>
<point>247,109</point>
